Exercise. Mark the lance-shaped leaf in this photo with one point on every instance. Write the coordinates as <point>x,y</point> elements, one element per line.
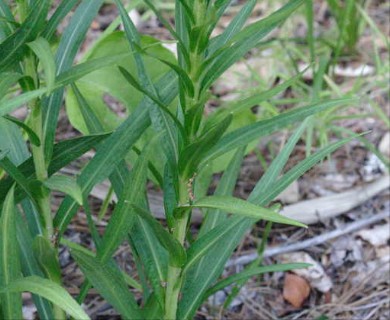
<point>13,47</point>
<point>66,185</point>
<point>122,218</point>
<point>10,270</point>
<point>34,139</point>
<point>242,42</point>
<point>241,208</point>
<point>70,43</point>
<point>64,152</point>
<point>233,28</point>
<point>160,120</point>
<point>223,239</point>
<point>110,283</point>
<point>113,151</point>
<point>225,188</point>
<point>175,249</point>
<point>244,135</point>
<point>30,265</point>
<point>50,291</point>
<point>42,50</point>
<point>58,16</point>
<point>7,26</point>
<point>193,154</point>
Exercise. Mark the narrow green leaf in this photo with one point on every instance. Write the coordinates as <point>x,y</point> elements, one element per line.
<point>159,118</point>
<point>274,170</point>
<point>225,188</point>
<point>234,26</point>
<point>293,174</point>
<point>193,154</point>
<point>6,28</point>
<point>42,50</point>
<point>242,42</point>
<point>7,106</point>
<point>70,43</point>
<point>109,281</point>
<point>242,208</point>
<point>129,78</point>
<point>226,236</point>
<point>254,131</point>
<point>50,291</point>
<point>10,269</point>
<point>7,79</point>
<point>47,258</point>
<point>66,185</point>
<point>12,140</point>
<point>90,118</point>
<point>14,172</point>
<point>115,149</point>
<point>13,47</point>
<point>64,152</point>
<point>58,16</point>
<point>245,275</point>
<point>153,256</point>
<point>175,249</point>
<point>30,132</point>
<point>30,265</point>
<point>122,218</point>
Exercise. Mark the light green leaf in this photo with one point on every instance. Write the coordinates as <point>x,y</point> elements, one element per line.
<point>50,291</point>
<point>242,208</point>
<point>10,270</point>
<point>66,185</point>
<point>7,106</point>
<point>42,50</point>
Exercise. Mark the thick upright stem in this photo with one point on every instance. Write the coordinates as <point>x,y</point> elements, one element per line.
<point>174,280</point>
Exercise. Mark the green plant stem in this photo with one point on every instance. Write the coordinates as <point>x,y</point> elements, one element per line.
<point>174,280</point>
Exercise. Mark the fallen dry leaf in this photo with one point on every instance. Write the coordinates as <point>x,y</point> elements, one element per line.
<point>295,289</point>
<point>315,274</point>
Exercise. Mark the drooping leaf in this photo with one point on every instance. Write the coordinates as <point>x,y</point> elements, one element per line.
<point>50,291</point>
